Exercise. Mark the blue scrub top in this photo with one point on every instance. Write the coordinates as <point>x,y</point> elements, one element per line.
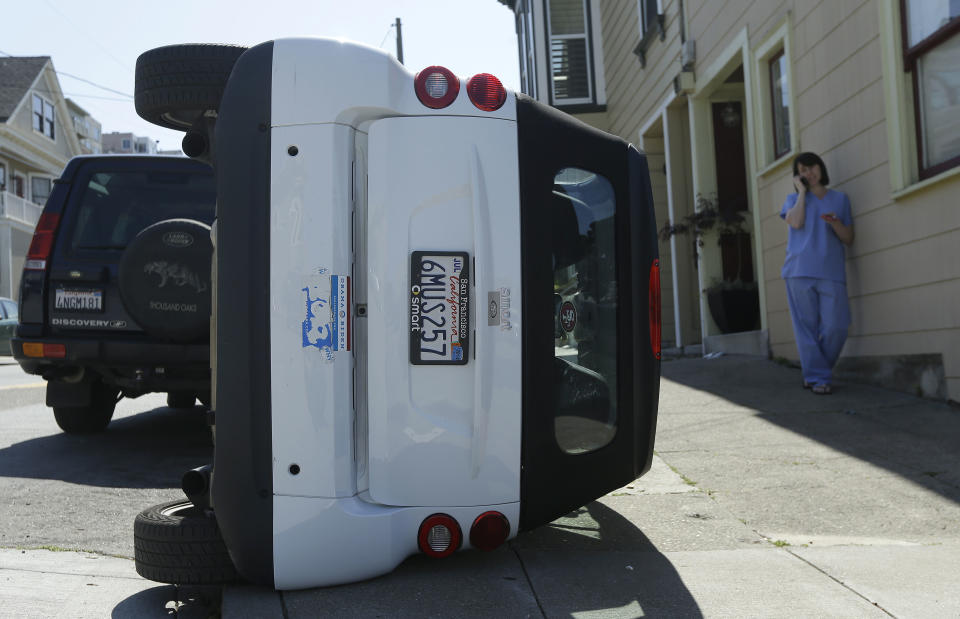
<point>814,250</point>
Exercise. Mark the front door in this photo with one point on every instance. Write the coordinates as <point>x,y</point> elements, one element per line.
<point>591,365</point>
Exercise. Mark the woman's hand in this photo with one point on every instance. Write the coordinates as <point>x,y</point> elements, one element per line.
<point>844,233</point>
<point>799,185</point>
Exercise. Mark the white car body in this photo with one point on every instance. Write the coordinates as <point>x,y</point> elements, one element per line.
<point>386,349</point>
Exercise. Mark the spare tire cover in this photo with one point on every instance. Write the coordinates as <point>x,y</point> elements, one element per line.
<point>165,279</point>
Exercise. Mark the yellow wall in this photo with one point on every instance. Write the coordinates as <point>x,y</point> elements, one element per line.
<point>852,104</point>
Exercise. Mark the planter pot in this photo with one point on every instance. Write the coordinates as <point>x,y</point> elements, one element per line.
<point>735,310</point>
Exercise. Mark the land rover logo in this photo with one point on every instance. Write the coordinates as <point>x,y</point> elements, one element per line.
<point>178,239</point>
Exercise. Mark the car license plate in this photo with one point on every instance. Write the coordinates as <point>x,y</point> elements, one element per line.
<point>439,307</point>
<point>78,300</point>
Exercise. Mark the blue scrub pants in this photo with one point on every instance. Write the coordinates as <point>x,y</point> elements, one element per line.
<point>821,316</point>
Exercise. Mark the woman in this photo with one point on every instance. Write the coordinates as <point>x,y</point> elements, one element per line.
<point>814,271</point>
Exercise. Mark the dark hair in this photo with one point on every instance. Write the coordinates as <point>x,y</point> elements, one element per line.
<point>810,159</point>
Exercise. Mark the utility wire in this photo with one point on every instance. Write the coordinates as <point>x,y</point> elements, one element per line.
<point>116,92</point>
<point>385,36</point>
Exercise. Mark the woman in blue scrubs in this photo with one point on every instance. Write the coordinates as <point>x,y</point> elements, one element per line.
<point>821,225</point>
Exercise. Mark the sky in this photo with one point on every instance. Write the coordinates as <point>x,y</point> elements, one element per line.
<point>98,41</point>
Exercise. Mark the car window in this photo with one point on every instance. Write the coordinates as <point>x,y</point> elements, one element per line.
<point>585,310</point>
<point>10,309</point>
<point>115,206</point>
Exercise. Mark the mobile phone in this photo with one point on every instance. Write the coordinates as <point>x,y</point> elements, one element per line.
<point>806,183</point>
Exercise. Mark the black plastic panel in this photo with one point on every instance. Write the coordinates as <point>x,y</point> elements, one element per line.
<point>553,482</point>
<point>243,483</point>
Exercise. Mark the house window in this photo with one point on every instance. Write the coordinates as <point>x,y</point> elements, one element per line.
<point>3,177</point>
<point>528,58</point>
<point>570,69</point>
<point>649,17</point>
<point>43,116</point>
<point>932,55</point>
<point>780,104</point>
<point>125,145</point>
<point>39,189</point>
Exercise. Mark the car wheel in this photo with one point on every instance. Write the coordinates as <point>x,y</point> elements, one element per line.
<point>176,85</point>
<point>178,543</point>
<point>181,399</point>
<point>92,417</point>
<point>164,280</point>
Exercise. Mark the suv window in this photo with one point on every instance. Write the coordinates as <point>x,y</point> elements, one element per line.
<point>115,206</point>
<point>585,302</point>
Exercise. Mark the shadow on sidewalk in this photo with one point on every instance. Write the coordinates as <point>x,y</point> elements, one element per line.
<point>151,449</point>
<point>596,561</point>
<point>915,438</point>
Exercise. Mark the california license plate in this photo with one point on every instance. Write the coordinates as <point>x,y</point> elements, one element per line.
<point>439,307</point>
<point>72,300</point>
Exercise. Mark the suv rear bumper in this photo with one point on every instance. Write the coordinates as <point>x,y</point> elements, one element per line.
<point>115,355</point>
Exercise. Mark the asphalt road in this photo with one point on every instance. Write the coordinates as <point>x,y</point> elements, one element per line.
<point>82,492</point>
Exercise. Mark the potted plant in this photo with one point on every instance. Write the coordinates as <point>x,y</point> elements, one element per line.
<point>733,298</point>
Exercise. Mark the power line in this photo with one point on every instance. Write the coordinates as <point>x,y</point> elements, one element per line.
<point>76,77</point>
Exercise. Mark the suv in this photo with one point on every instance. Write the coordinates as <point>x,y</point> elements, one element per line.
<point>389,252</point>
<point>115,293</point>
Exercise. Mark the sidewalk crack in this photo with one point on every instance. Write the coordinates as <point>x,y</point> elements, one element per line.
<point>526,575</point>
<point>841,583</point>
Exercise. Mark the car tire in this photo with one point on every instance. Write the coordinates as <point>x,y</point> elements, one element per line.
<point>181,399</point>
<point>178,543</point>
<point>176,85</point>
<point>164,280</point>
<point>93,417</point>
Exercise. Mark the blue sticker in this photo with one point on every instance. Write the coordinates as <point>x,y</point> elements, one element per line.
<point>316,325</point>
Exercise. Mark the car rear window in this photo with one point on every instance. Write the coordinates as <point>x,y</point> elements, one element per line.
<point>585,310</point>
<point>115,206</point>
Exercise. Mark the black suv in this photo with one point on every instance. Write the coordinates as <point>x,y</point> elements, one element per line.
<point>115,296</point>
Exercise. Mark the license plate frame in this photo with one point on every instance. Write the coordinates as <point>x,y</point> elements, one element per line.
<point>440,289</point>
<point>85,300</point>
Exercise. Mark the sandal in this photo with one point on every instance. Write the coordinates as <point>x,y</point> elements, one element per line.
<point>822,389</point>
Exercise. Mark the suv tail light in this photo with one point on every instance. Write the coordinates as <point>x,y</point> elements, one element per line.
<point>439,536</point>
<point>42,242</point>
<point>486,92</point>
<point>489,530</point>
<point>655,308</point>
<point>44,350</point>
<point>436,87</point>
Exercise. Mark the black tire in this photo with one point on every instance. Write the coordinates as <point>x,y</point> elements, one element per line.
<point>181,399</point>
<point>93,417</point>
<point>164,280</point>
<point>178,543</point>
<point>175,85</point>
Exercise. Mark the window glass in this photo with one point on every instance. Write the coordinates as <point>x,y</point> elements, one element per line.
<point>585,311</point>
<point>566,17</point>
<point>924,17</point>
<point>3,177</point>
<point>648,15</point>
<point>939,80</point>
<point>39,190</point>
<point>569,51</point>
<point>780,104</point>
<point>11,309</point>
<point>117,205</point>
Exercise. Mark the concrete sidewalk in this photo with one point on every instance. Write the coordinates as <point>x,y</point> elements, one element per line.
<point>764,500</point>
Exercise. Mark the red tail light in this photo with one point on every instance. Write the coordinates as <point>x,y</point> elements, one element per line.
<point>486,92</point>
<point>655,308</point>
<point>42,242</point>
<point>436,87</point>
<point>439,536</point>
<point>489,530</point>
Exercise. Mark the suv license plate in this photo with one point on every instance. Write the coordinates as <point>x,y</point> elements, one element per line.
<point>439,307</point>
<point>78,300</point>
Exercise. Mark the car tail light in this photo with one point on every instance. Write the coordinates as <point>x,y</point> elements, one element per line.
<point>42,242</point>
<point>655,308</point>
<point>489,530</point>
<point>41,350</point>
<point>439,536</point>
<point>486,92</point>
<point>436,87</point>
